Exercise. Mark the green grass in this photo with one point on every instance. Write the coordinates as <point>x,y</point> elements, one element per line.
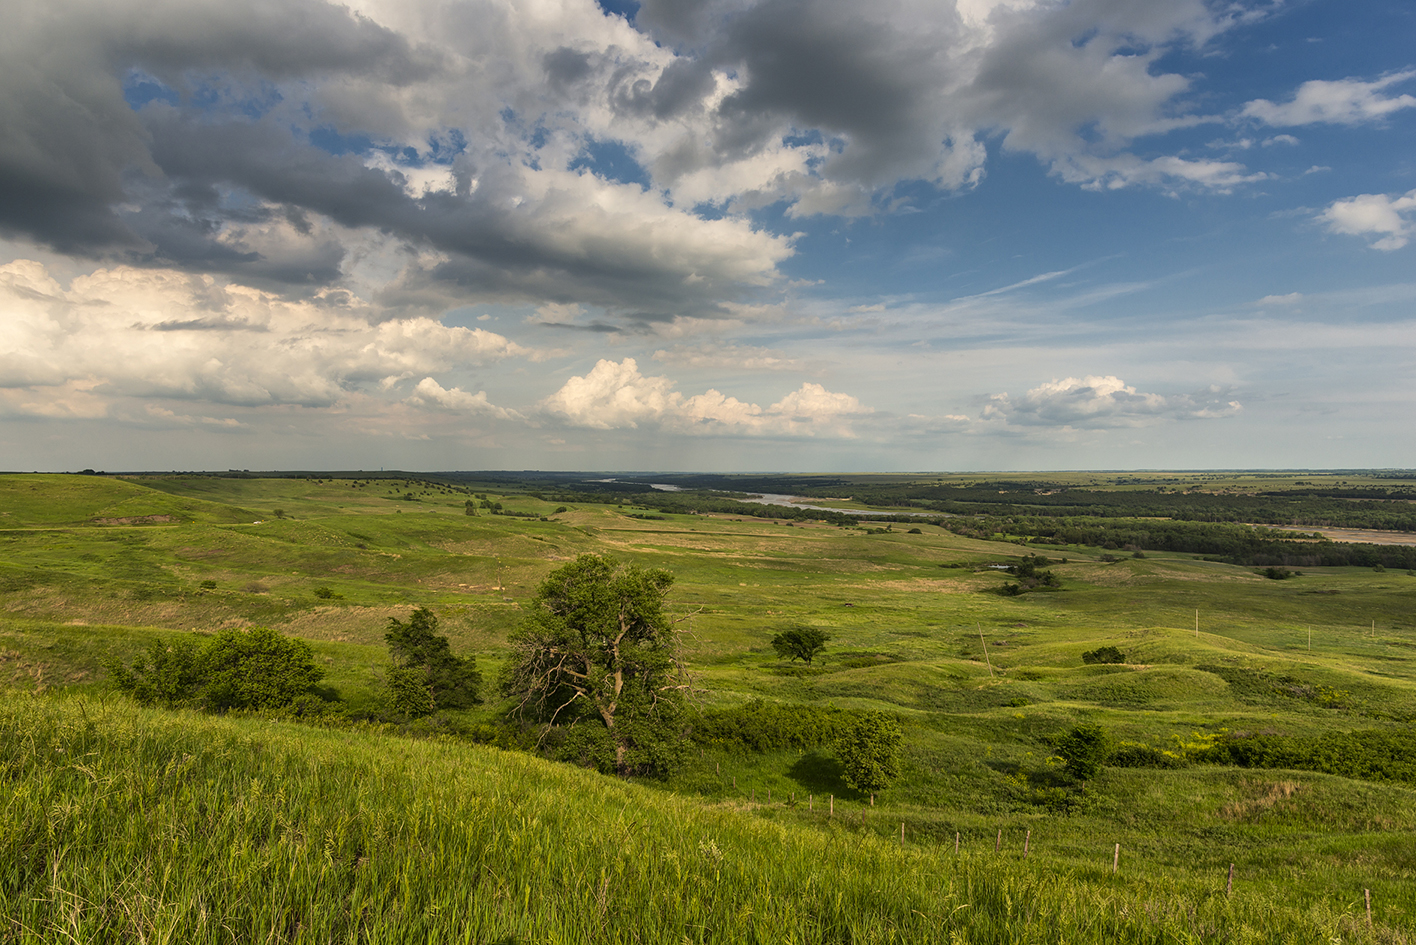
<point>137,825</point>
<point>908,637</point>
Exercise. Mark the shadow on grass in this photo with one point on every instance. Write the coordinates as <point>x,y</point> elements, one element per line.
<point>819,773</point>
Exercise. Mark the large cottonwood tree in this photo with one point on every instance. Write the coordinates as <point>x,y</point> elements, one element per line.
<point>596,660</point>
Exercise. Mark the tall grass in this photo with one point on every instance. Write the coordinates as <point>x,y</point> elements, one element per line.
<point>125,824</point>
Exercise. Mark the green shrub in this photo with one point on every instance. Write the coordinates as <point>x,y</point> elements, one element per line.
<point>869,752</point>
<point>1084,749</point>
<point>164,675</point>
<point>1364,755</point>
<point>770,726</point>
<point>257,669</point>
<point>1103,654</point>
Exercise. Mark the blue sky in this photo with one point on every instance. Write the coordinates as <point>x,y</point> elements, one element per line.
<point>729,234</point>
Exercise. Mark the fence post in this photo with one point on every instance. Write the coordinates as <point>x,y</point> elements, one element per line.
<point>1367,894</point>
<point>1027,841</point>
<point>998,844</point>
<point>1116,860</point>
<point>902,833</point>
<point>956,841</point>
<point>1229,887</point>
<point>832,812</point>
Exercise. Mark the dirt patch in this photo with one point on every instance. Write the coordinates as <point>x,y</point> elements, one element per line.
<point>1366,536</point>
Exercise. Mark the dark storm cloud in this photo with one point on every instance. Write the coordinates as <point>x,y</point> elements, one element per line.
<point>68,135</point>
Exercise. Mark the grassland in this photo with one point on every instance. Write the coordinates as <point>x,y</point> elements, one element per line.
<point>92,568</point>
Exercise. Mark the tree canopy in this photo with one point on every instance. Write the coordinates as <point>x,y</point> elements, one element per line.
<point>596,658</point>
<point>800,643</point>
<point>425,674</point>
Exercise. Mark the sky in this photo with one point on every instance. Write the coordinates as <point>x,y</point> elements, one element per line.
<point>714,235</point>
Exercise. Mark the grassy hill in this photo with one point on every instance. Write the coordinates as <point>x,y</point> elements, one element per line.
<point>910,616</point>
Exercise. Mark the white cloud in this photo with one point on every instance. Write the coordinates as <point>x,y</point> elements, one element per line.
<point>1292,298</point>
<point>429,393</point>
<point>158,333</point>
<point>1102,402</point>
<point>1373,215</point>
<point>1281,139</point>
<point>615,395</point>
<point>1343,102</point>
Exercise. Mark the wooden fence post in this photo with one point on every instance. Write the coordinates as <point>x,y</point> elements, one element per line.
<point>956,841</point>
<point>832,812</point>
<point>902,833</point>
<point>1027,841</point>
<point>1116,860</point>
<point>1229,886</point>
<point>998,844</point>
<point>1367,894</point>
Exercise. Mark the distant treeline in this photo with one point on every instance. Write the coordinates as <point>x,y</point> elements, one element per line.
<point>1391,508</point>
<point>1222,539</point>
<point>1237,544</point>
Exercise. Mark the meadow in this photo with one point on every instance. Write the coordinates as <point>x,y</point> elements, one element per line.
<point>126,822</point>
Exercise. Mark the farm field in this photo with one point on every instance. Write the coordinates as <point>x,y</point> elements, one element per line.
<point>747,845</point>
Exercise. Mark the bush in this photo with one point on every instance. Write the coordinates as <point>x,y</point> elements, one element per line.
<point>869,752</point>
<point>1366,755</point>
<point>255,669</point>
<point>1084,749</point>
<point>1103,654</point>
<point>769,726</point>
<point>164,675</point>
<point>1136,755</point>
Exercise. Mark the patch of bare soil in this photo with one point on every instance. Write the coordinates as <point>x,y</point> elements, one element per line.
<point>1366,536</point>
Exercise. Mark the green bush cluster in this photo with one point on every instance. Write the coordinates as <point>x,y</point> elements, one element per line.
<point>238,669</point>
<point>869,752</point>
<point>1103,654</point>
<point>1030,574</point>
<point>1371,755</point>
<point>770,726</point>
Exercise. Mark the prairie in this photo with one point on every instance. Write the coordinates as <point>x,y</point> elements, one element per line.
<point>450,833</point>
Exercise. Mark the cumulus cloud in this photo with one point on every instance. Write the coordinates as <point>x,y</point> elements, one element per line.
<point>1343,102</point>
<point>615,395</point>
<point>429,393</point>
<point>1385,217</point>
<point>126,332</point>
<point>1102,402</point>
<point>549,153</point>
